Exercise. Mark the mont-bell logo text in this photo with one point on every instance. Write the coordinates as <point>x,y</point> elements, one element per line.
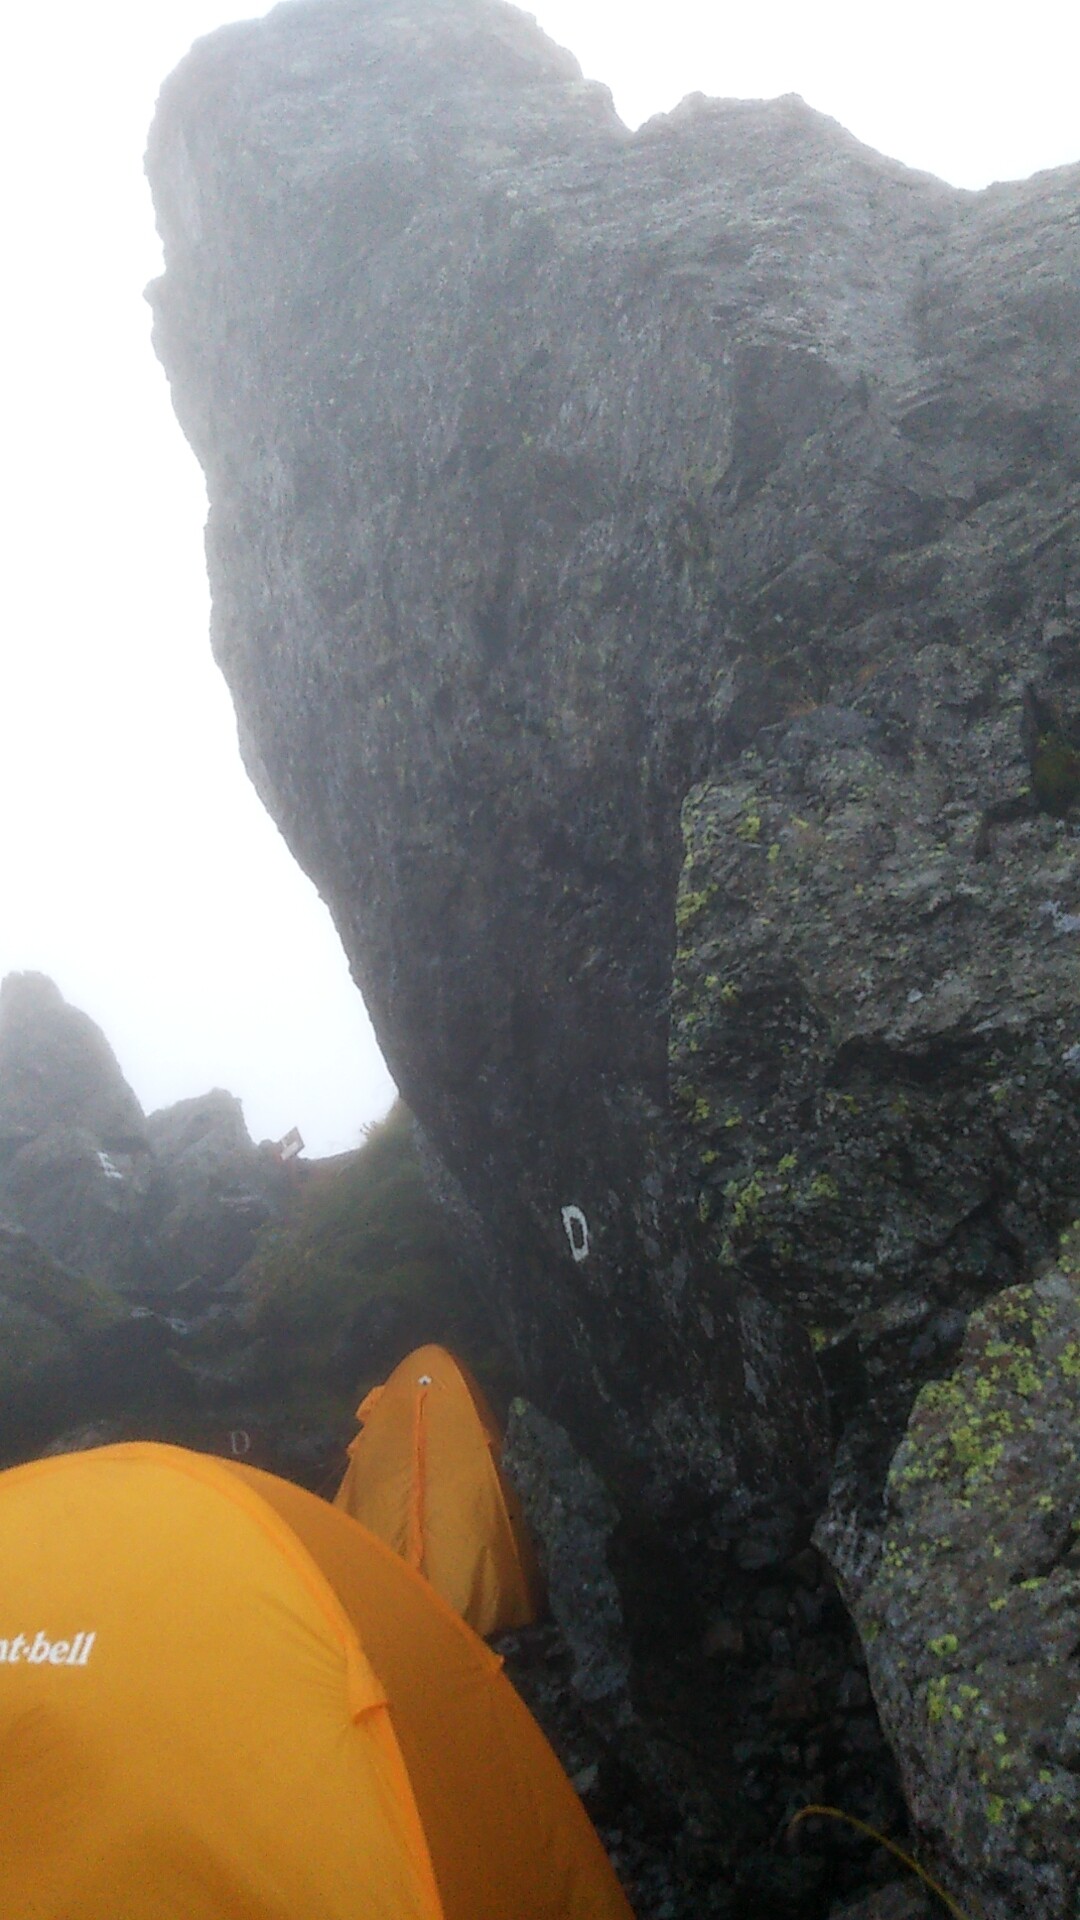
<point>39,1651</point>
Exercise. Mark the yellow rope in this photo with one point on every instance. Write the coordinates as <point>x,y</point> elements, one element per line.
<point>836,1813</point>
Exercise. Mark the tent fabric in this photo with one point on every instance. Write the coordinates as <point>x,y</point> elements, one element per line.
<point>424,1475</point>
<point>220,1698</point>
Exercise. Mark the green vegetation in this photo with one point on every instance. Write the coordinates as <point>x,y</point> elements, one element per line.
<point>365,1271</point>
<point>32,1282</point>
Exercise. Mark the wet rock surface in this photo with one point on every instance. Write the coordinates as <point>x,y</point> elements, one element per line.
<point>572,1517</point>
<point>968,1602</point>
<point>873,1021</point>
<point>724,484</point>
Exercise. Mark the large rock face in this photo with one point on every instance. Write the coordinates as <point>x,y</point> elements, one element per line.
<point>628,555</point>
<point>119,1237</point>
<point>147,1205</point>
<point>75,1160</point>
<point>213,1190</point>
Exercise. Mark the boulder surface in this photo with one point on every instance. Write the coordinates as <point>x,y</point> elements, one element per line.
<point>969,1606</point>
<point>629,553</point>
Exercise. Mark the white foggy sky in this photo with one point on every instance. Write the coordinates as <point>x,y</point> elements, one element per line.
<point>136,865</point>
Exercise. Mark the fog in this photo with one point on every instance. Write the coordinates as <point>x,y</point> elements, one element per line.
<point>137,866</point>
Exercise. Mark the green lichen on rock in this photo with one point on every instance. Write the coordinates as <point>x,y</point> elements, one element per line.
<point>971,1614</point>
<point>864,994</point>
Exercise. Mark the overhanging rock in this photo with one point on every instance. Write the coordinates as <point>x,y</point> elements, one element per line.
<point>558,474</point>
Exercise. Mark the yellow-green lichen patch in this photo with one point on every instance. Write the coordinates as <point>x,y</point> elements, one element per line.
<point>744,1199</point>
<point>823,1187</point>
<point>937,1698</point>
<point>1069,1251</point>
<point>689,906</point>
<point>978,1580</point>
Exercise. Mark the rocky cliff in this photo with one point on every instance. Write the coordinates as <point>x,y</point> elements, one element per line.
<point>150,1205</point>
<point>646,568</point>
<point>117,1234</point>
<point>162,1276</point>
<point>74,1153</point>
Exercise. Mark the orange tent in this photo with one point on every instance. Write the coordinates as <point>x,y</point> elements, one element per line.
<point>424,1475</point>
<point>222,1700</point>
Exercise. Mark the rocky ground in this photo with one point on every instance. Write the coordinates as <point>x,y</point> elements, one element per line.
<point>695,1738</point>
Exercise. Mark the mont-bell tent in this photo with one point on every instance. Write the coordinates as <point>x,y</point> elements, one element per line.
<point>222,1699</point>
<point>424,1475</point>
